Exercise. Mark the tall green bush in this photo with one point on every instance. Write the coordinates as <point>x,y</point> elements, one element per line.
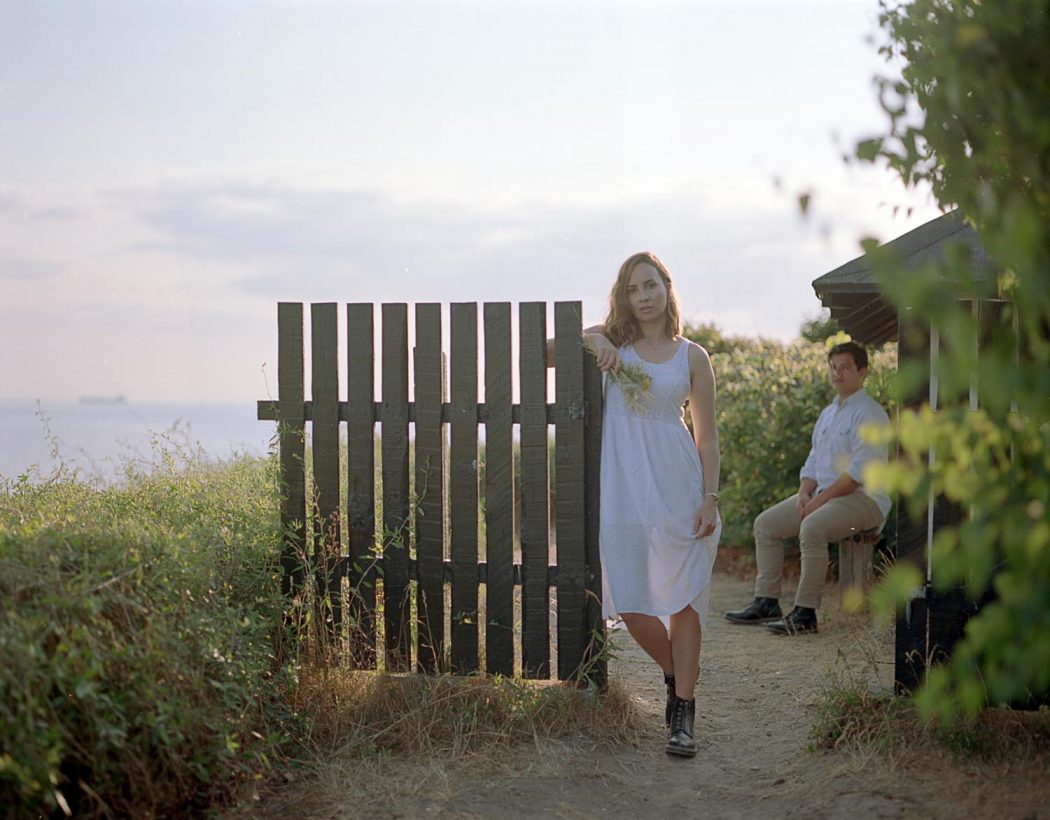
<point>968,117</point>
<point>136,668</point>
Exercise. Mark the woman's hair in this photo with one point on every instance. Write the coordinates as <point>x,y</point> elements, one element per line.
<point>621,327</point>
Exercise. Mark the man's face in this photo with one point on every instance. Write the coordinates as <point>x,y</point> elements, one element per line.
<point>845,378</point>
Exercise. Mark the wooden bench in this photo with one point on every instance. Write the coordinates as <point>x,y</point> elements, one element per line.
<point>856,567</point>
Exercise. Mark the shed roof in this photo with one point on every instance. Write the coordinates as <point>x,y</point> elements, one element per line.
<point>855,297</point>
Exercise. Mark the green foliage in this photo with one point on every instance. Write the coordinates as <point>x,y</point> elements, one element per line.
<point>136,673</point>
<point>819,328</point>
<point>968,117</point>
<point>769,397</point>
<point>710,337</point>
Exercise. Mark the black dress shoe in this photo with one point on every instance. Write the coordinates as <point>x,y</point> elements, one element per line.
<point>799,620</point>
<point>759,611</point>
<point>680,742</point>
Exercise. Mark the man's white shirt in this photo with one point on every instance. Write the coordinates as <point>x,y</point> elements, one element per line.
<point>838,448</point>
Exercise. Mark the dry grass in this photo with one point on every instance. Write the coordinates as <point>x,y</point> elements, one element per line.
<point>376,735</point>
<point>860,721</point>
<point>362,713</point>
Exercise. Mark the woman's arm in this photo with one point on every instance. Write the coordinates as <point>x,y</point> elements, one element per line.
<point>606,355</point>
<point>705,434</point>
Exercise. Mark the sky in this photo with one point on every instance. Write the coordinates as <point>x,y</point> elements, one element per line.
<point>170,171</point>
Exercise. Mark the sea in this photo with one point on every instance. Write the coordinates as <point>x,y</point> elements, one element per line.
<point>102,438</point>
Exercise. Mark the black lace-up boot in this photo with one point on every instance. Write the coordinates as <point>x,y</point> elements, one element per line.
<point>759,611</point>
<point>669,708</point>
<point>799,621</point>
<point>680,742</point>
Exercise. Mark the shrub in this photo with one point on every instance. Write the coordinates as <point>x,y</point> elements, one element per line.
<point>967,118</point>
<point>136,673</point>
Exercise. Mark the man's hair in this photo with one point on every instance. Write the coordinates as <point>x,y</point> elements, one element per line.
<point>859,354</point>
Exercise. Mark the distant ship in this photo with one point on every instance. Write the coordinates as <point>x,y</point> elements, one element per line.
<point>111,400</point>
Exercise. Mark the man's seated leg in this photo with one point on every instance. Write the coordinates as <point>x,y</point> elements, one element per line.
<point>772,526</point>
<point>832,522</point>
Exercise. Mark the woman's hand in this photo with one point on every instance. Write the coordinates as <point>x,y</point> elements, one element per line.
<point>606,356</point>
<point>707,518</point>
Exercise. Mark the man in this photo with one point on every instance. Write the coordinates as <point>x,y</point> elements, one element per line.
<point>831,501</point>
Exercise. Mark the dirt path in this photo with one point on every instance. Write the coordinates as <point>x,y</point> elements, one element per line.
<point>755,708</point>
<point>756,705</point>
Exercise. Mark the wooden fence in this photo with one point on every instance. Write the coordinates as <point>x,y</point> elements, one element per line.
<point>407,586</point>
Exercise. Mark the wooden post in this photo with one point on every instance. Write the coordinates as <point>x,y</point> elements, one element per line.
<point>395,486</point>
<point>361,505</point>
<point>325,450</point>
<point>430,489</point>
<point>499,493</point>
<point>569,489</point>
<point>594,659</point>
<point>291,427</point>
<point>856,567</point>
<point>535,521</point>
<point>463,490</point>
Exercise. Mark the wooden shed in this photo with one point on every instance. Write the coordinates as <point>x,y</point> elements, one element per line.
<point>933,620</point>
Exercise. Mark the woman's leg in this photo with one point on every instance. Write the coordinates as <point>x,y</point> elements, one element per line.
<point>685,650</point>
<point>649,632</point>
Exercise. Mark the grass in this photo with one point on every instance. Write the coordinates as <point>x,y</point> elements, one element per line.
<point>855,716</point>
<point>375,737</point>
<point>891,726</point>
<point>145,666</point>
<point>136,629</point>
<point>360,714</point>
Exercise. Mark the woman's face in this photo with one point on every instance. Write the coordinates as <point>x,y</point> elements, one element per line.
<point>646,293</point>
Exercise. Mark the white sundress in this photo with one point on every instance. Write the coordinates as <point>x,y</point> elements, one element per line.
<point>652,486</point>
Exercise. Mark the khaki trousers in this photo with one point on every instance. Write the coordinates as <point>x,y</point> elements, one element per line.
<point>832,522</point>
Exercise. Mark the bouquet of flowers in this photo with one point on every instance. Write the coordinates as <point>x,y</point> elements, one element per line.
<point>633,381</point>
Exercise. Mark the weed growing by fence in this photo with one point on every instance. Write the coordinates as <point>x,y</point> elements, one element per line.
<point>136,673</point>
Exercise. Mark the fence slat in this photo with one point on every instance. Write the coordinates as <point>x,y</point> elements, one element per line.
<point>361,505</point>
<point>429,488</point>
<point>463,490</point>
<point>499,493</point>
<point>291,430</point>
<point>535,521</point>
<point>324,388</point>
<point>396,605</point>
<point>593,402</point>
<point>568,487</point>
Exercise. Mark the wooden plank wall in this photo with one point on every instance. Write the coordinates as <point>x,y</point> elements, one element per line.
<point>442,541</point>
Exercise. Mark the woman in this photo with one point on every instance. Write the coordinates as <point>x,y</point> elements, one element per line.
<point>659,485</point>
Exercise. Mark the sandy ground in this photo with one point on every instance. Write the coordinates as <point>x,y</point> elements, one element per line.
<point>756,705</point>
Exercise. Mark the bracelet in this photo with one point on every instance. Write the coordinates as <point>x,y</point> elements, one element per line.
<point>713,495</point>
